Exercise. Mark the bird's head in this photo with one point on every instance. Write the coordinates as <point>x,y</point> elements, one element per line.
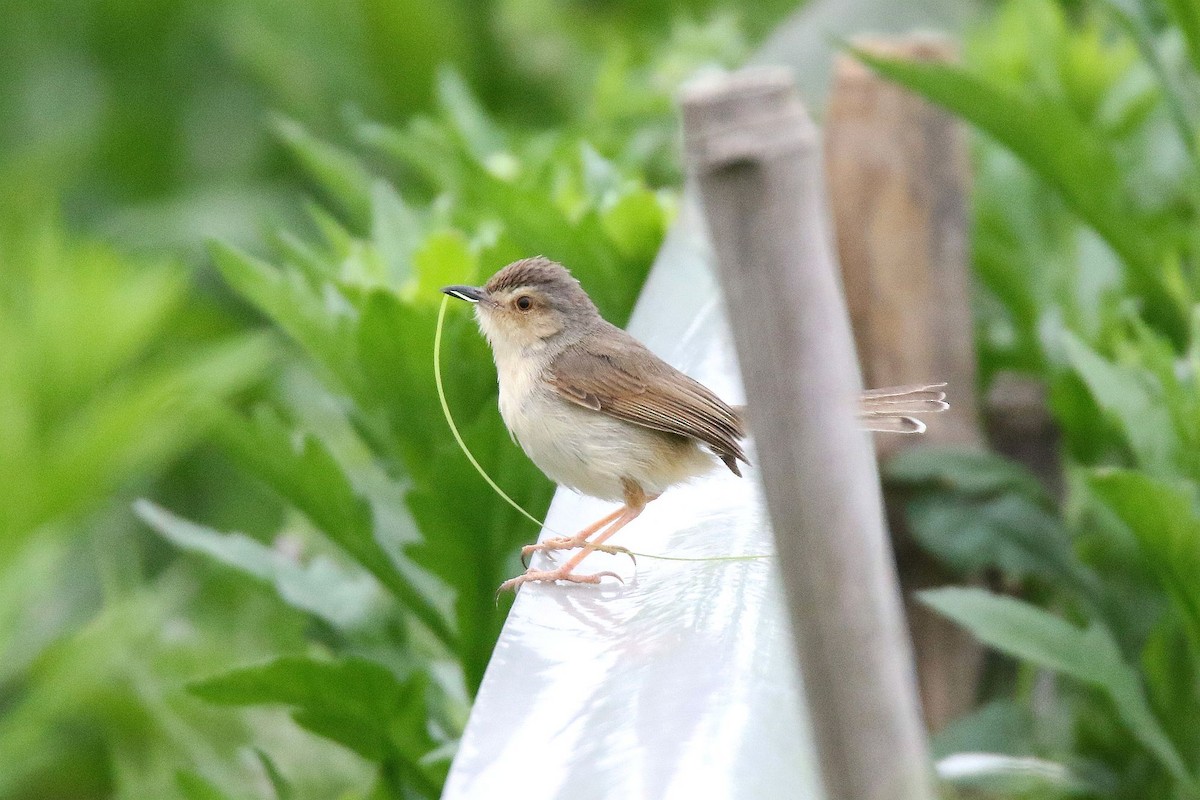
<point>527,304</point>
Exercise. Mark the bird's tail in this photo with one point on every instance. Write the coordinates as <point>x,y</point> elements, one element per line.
<point>893,409</point>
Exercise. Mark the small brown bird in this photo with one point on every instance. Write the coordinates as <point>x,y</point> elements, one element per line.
<point>599,413</point>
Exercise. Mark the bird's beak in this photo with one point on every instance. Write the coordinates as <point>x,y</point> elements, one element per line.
<point>472,294</point>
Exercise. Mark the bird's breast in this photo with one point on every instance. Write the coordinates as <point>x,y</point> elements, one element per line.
<point>590,451</point>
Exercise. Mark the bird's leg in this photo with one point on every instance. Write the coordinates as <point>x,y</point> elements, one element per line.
<point>625,515</point>
<point>635,501</point>
<point>578,540</point>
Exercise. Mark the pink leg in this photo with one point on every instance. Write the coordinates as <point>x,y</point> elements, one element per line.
<point>635,501</point>
<point>578,540</point>
<point>564,572</point>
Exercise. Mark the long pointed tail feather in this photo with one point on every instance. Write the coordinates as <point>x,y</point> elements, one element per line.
<point>891,409</point>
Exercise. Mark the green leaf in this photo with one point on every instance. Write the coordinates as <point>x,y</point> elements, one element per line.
<point>636,224</point>
<point>281,786</point>
<point>294,305</point>
<point>1001,726</point>
<point>444,258</point>
<point>974,510</point>
<point>309,477</point>
<point>395,354</point>
<point>1131,397</point>
<point>1090,656</point>
<point>340,174</point>
<point>1065,153</point>
<point>1129,17</point>
<point>396,231</point>
<point>471,537</point>
<point>964,470</point>
<point>194,787</point>
<point>126,427</point>
<point>343,598</point>
<point>601,179</point>
<point>1163,519</point>
<point>478,133</point>
<point>1007,532</point>
<point>30,577</point>
<point>1186,14</point>
<point>352,701</point>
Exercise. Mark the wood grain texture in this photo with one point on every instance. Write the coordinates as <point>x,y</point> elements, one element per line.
<point>757,161</point>
<point>898,176</point>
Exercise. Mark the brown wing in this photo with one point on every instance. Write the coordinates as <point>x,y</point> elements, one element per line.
<point>618,376</point>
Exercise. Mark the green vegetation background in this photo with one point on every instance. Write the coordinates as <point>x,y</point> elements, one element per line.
<point>222,228</point>
<point>241,558</point>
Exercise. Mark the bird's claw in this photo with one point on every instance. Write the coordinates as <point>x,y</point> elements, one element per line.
<point>563,543</point>
<point>613,549</point>
<point>549,576</point>
<point>557,543</point>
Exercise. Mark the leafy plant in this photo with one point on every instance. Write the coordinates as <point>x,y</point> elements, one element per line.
<point>110,370</point>
<point>1086,210</point>
<point>354,439</point>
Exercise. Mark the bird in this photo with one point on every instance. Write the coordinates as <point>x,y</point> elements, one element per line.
<point>599,413</point>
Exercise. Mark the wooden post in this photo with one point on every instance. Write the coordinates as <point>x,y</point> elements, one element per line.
<point>898,177</point>
<point>757,158</point>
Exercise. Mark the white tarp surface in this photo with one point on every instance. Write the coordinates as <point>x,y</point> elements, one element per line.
<point>682,682</point>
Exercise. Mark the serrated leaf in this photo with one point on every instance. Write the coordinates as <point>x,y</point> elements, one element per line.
<point>395,352</point>
<point>310,478</point>
<point>294,305</point>
<point>352,701</point>
<point>1090,656</point>
<point>342,598</point>
<point>452,499</point>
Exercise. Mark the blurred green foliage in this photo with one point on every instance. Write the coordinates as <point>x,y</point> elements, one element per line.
<point>331,648</point>
<point>358,445</point>
<point>148,117</point>
<point>109,370</point>
<point>1088,262</point>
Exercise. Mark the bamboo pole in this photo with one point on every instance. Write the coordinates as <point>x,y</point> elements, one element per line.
<point>898,175</point>
<point>757,159</point>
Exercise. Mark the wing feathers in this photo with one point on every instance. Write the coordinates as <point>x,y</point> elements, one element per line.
<point>616,375</point>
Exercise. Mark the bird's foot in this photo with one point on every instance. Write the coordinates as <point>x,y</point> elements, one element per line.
<point>572,543</point>
<point>552,575</point>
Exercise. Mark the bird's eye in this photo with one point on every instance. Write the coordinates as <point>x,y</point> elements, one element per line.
<point>524,302</point>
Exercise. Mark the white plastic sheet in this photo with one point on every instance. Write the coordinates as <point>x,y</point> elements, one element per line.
<point>680,683</point>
